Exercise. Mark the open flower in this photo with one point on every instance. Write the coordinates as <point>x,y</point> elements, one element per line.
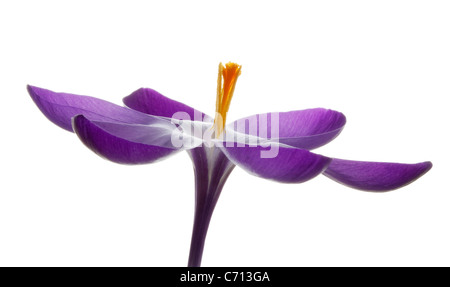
<point>274,146</point>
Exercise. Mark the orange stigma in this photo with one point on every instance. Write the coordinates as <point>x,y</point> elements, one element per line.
<point>226,82</point>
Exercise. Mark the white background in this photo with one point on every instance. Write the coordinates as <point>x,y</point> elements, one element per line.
<point>384,64</point>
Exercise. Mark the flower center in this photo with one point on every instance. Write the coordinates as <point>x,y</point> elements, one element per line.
<point>226,82</point>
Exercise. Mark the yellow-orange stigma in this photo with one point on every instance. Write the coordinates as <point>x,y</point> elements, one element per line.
<point>226,82</point>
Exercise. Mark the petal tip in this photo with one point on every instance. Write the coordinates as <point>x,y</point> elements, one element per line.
<point>41,97</point>
<point>429,164</point>
<point>32,91</point>
<point>426,166</point>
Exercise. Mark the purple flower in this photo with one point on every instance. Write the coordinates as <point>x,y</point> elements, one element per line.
<point>275,146</point>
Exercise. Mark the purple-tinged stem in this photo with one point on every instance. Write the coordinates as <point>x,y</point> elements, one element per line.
<point>211,168</point>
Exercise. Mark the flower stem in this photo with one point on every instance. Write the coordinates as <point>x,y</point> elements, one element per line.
<point>201,224</point>
<point>211,168</point>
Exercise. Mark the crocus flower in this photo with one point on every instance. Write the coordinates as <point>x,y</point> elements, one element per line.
<point>148,128</point>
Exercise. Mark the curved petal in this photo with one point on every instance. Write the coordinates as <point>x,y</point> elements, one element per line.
<point>61,107</point>
<point>375,176</point>
<point>283,164</point>
<point>122,143</point>
<point>305,129</point>
<point>151,102</point>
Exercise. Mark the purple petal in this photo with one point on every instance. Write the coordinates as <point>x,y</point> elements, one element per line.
<point>121,143</point>
<point>375,176</point>
<point>289,165</point>
<point>305,129</point>
<point>151,102</point>
<point>61,107</point>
